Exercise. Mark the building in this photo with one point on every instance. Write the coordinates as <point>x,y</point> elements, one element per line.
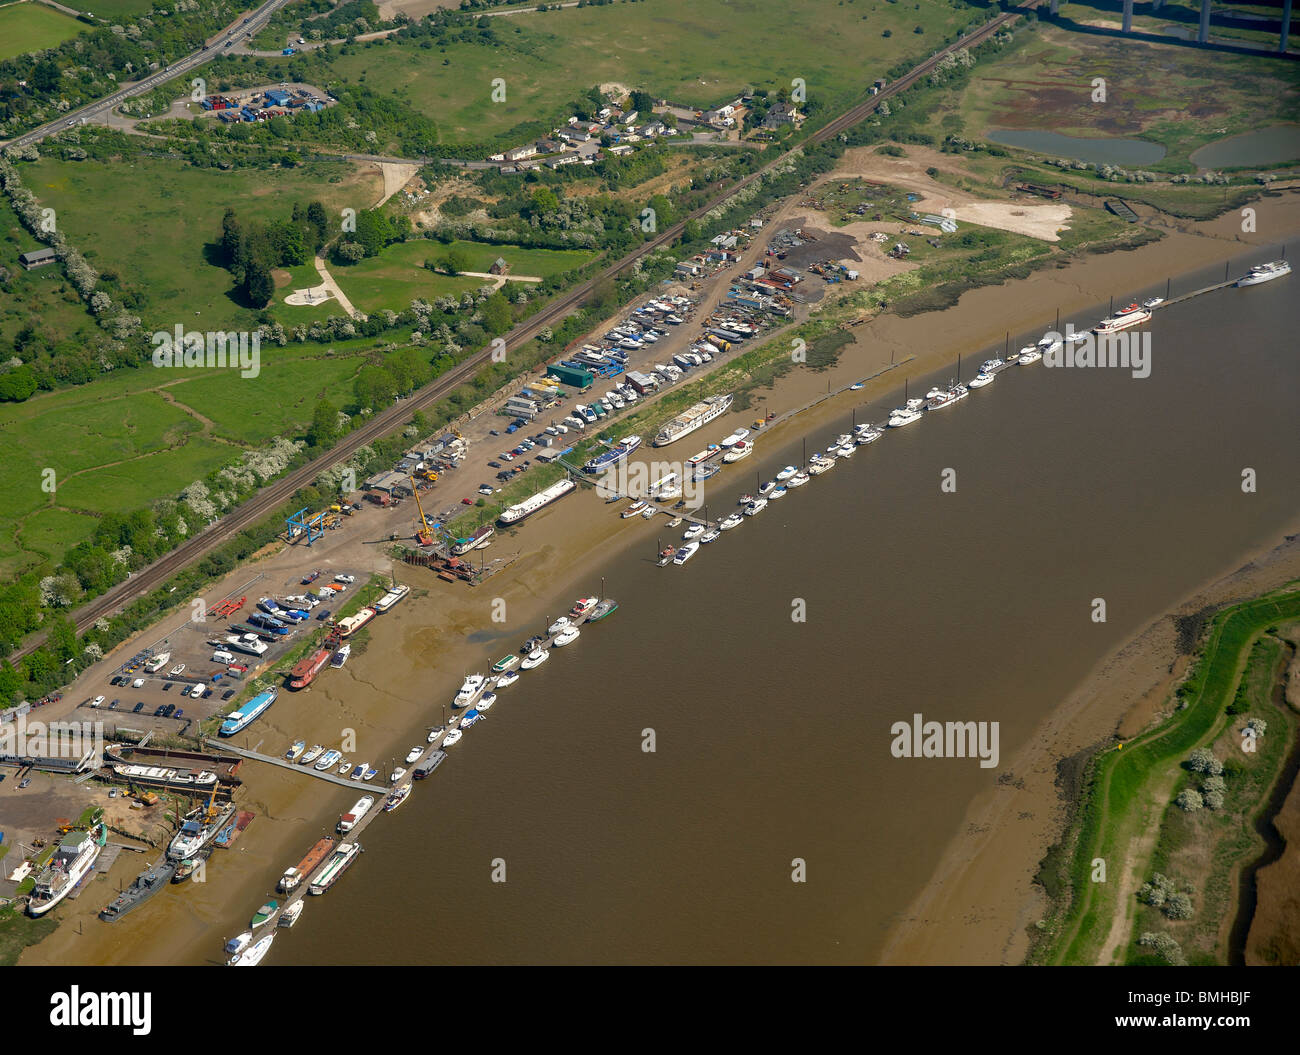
<point>780,115</point>
<point>277,97</point>
<point>571,376</point>
<point>562,160</point>
<point>36,258</point>
<point>499,266</point>
<point>519,153</point>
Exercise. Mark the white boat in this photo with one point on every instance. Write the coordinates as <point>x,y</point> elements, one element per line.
<point>295,750</point>
<point>434,733</point>
<point>396,775</point>
<point>1123,319</point>
<point>72,862</point>
<point>778,492</point>
<point>845,450</point>
<point>559,625</point>
<point>1265,273</point>
<point>566,636</point>
<point>311,754</point>
<point>819,464</point>
<point>1029,354</point>
<point>694,531</point>
<point>735,437</point>
<point>797,480</point>
<point>686,553</point>
<point>842,439</point>
<point>981,379</point>
<point>535,658</point>
<point>648,512</point>
<point>239,943</point>
<point>764,490</point>
<point>729,522</point>
<point>538,501</point>
<point>474,684</point>
<point>1078,337</point>
<point>508,678</point>
<point>938,398</point>
<point>485,704</point>
<point>341,656</point>
<point>866,434</point>
<point>711,536</point>
<point>398,795</point>
<point>413,754</point>
<point>254,954</point>
<point>452,738</point>
<point>290,915</point>
<point>786,473</point>
<point>327,761</point>
<point>755,507</point>
<point>741,449</point>
<point>690,420</point>
<point>349,820</point>
<point>668,493</point>
<point>633,509</point>
<point>906,414</point>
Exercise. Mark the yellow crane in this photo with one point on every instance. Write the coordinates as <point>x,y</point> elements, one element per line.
<point>422,535</point>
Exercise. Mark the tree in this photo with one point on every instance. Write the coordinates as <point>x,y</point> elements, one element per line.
<point>496,314</point>
<point>456,261</point>
<point>544,201</point>
<point>17,385</point>
<point>259,286</point>
<point>324,429</point>
<point>1189,800</point>
<point>11,683</point>
<point>232,242</point>
<point>374,387</point>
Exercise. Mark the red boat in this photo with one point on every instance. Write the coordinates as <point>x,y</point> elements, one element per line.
<point>305,671</point>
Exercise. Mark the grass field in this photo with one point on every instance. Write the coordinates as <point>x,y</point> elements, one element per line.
<point>33,27</point>
<point>158,237</point>
<point>696,52</point>
<point>1155,92</point>
<point>117,444</point>
<point>42,296</point>
<point>398,276</point>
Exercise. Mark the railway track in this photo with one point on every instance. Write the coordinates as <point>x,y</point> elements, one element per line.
<point>268,498</point>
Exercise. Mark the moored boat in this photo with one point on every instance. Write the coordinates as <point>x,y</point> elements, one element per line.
<point>730,521</point>
<point>602,610</point>
<point>240,719</point>
<point>686,553</point>
<point>396,797</point>
<point>566,636</point>
<point>291,913</point>
<point>429,765</point>
<point>305,670</point>
<point>254,954</point>
<point>295,875</point>
<point>327,761</point>
<point>453,736</point>
<point>339,862</point>
<point>341,656</point>
<point>73,860</point>
<point>508,678</point>
<point>265,914</point>
<point>1265,273</point>
<point>505,663</point>
<point>535,658</point>
<point>350,819</point>
<point>142,888</point>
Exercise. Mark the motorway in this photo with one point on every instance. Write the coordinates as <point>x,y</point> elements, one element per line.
<point>265,501</point>
<point>101,107</point>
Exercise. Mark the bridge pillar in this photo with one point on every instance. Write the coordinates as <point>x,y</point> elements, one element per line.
<point>1203,30</point>
<point>1286,25</point>
<point>1128,16</point>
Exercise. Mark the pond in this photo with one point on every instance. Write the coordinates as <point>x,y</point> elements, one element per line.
<point>1265,146</point>
<point>1095,151</point>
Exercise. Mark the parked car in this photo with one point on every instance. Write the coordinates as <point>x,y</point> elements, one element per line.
<point>138,683</point>
<point>167,686</point>
<point>97,701</point>
<point>113,706</point>
<point>169,710</point>
<point>158,711</point>
<point>494,432</point>
<point>506,456</point>
<point>485,489</point>
<point>179,713</point>
<point>345,578</point>
<point>227,694</point>
<point>467,501</point>
<point>323,615</point>
<point>495,465</point>
<point>137,708</point>
<point>207,693</point>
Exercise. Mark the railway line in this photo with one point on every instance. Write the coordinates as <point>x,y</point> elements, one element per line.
<point>274,494</point>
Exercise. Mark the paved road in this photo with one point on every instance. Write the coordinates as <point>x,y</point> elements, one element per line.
<point>381,424</point>
<point>191,62</point>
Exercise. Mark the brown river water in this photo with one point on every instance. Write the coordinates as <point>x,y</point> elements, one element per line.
<point>772,736</point>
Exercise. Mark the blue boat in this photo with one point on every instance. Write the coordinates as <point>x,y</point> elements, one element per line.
<point>471,716</point>
<point>613,456</point>
<point>241,718</point>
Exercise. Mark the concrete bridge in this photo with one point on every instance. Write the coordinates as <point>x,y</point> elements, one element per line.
<point>1203,27</point>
